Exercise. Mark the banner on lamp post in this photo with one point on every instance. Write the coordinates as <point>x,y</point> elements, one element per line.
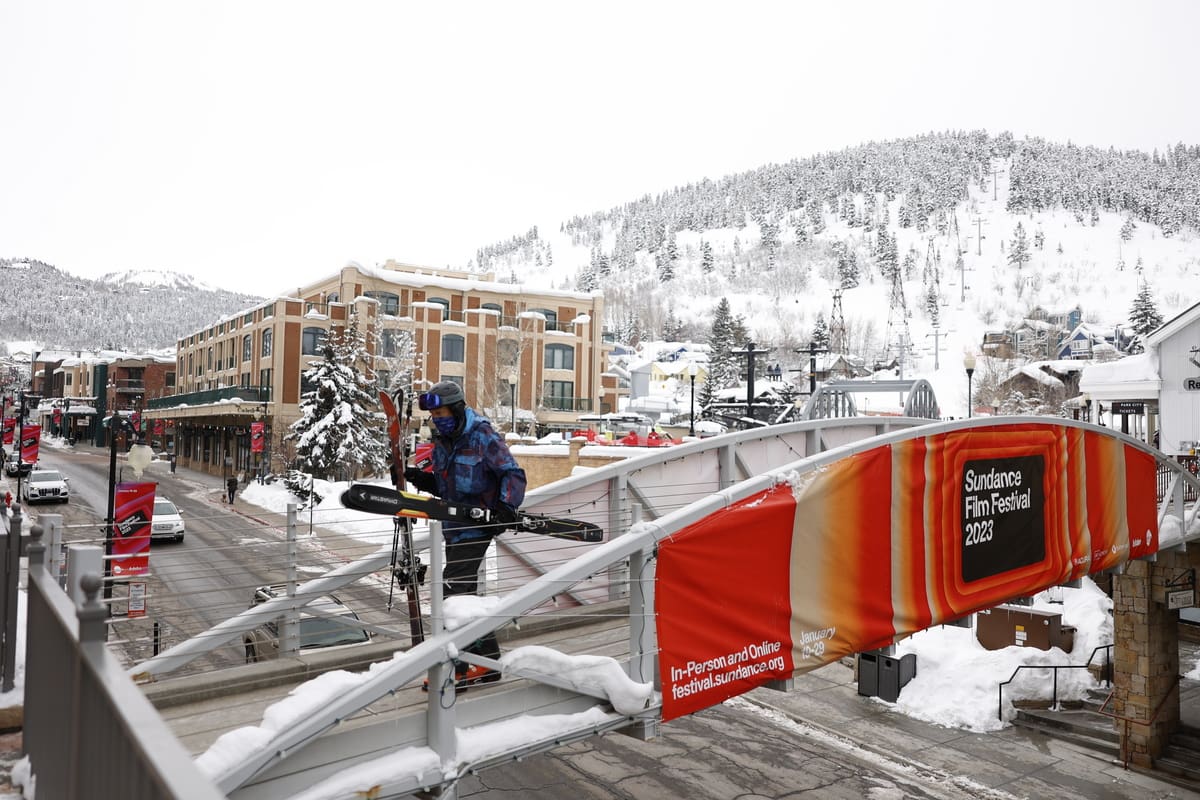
<point>159,427</point>
<point>31,437</point>
<point>256,437</point>
<point>10,427</point>
<point>133,516</point>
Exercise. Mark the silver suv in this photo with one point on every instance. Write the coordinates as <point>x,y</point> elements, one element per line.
<point>326,622</point>
<point>45,485</point>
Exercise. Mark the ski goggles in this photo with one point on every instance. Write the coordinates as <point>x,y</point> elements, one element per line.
<point>428,401</point>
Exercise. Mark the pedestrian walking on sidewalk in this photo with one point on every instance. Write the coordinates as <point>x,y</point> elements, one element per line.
<point>231,486</point>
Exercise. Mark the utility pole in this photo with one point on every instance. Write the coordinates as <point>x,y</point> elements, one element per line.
<point>937,348</point>
<point>995,173</point>
<point>979,221</point>
<point>750,352</point>
<point>812,351</point>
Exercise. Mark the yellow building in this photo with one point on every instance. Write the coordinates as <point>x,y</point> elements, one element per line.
<point>500,341</point>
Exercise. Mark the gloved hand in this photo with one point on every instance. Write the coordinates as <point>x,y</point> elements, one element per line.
<point>504,514</point>
<point>420,480</point>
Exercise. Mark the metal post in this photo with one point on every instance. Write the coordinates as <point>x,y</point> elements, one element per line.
<point>440,719</point>
<point>12,576</point>
<point>692,416</point>
<point>289,632</point>
<point>110,517</point>
<point>52,525</point>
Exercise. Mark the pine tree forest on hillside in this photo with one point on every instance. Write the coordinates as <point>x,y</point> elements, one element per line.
<point>1009,229</point>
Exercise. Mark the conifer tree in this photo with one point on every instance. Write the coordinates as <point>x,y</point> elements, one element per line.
<point>1018,253</point>
<point>706,257</point>
<point>1144,317</point>
<point>338,433</point>
<point>722,370</point>
<point>820,332</point>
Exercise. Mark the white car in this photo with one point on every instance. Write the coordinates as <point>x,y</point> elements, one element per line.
<point>167,522</point>
<point>45,485</point>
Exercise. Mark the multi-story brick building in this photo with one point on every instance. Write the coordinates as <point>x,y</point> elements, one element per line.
<point>533,358</point>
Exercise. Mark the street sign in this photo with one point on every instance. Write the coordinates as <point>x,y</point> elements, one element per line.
<point>1181,598</point>
<point>1128,407</point>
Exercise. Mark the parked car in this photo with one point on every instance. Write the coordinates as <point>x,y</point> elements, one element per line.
<point>10,465</point>
<point>46,485</point>
<point>167,522</point>
<point>332,626</point>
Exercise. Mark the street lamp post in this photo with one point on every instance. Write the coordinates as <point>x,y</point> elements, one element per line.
<point>969,366</point>
<point>139,458</point>
<point>692,415</point>
<point>512,400</point>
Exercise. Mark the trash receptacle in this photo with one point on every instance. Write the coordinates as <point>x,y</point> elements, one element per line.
<point>868,674</point>
<point>894,673</point>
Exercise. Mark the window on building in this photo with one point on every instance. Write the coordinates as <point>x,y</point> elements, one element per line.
<point>387,345</point>
<point>67,378</point>
<point>383,378</point>
<point>268,310</point>
<point>311,341</point>
<point>246,347</point>
<point>454,348</point>
<point>444,303</point>
<point>560,356</point>
<point>332,297</point>
<point>389,302</point>
<point>559,395</point>
<point>210,355</point>
<point>245,380</point>
<point>492,307</point>
<point>169,380</point>
<point>266,342</point>
<point>247,319</point>
<point>264,377</point>
<point>459,379</point>
<point>551,317</point>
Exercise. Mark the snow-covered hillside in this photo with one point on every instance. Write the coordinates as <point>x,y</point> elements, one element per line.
<point>1073,262</point>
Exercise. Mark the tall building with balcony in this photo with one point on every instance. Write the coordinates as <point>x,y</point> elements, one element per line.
<point>530,357</point>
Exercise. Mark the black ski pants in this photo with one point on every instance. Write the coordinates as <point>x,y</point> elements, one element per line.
<point>461,576</point>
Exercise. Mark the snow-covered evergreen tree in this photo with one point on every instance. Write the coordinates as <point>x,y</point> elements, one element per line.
<point>338,433</point>
<point>722,368</point>
<point>1018,253</point>
<point>1144,317</point>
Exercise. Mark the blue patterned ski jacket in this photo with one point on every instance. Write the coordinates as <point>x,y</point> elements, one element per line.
<point>476,468</point>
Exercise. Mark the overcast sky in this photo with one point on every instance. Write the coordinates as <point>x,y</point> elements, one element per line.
<point>259,145</point>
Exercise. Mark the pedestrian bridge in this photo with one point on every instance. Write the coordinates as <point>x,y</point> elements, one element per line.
<point>728,563</point>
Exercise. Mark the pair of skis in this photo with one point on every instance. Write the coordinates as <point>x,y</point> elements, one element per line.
<point>406,566</point>
<point>382,500</point>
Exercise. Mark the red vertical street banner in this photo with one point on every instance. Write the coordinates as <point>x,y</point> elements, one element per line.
<point>31,437</point>
<point>10,427</point>
<point>159,427</point>
<point>133,515</point>
<point>136,419</point>
<point>256,437</point>
<point>888,542</point>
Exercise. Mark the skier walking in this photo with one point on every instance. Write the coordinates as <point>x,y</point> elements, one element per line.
<point>471,465</point>
<point>231,484</point>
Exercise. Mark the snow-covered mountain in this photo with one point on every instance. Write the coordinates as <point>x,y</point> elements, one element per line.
<point>983,231</point>
<point>133,311</point>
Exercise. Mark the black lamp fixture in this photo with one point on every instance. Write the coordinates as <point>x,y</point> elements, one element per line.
<point>969,366</point>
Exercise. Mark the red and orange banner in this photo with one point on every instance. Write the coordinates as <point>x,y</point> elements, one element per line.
<point>888,542</point>
<point>256,437</point>
<point>31,437</point>
<point>133,517</point>
<point>10,426</point>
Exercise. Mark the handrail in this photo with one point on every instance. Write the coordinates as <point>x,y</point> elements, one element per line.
<point>1054,695</point>
<point>1129,720</point>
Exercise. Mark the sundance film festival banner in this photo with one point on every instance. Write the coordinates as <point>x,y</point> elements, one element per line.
<point>31,437</point>
<point>888,542</point>
<point>256,437</point>
<point>10,427</point>
<point>131,530</point>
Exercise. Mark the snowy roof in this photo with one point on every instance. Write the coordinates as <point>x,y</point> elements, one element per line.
<point>1173,325</point>
<point>1130,378</point>
<point>1037,374</point>
<point>419,280</point>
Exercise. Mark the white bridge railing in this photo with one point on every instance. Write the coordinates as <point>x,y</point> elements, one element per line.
<point>414,746</point>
